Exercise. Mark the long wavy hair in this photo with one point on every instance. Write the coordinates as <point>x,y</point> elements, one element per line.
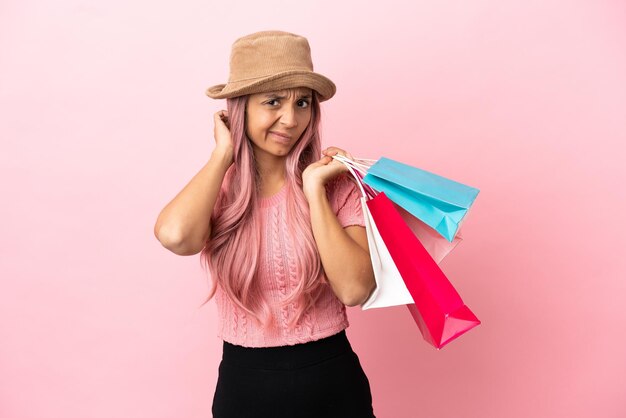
<point>231,253</point>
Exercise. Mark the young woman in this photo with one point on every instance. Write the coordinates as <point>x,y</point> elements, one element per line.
<point>282,233</point>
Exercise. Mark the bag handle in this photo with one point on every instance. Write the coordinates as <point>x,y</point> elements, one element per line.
<point>360,172</point>
<point>349,164</point>
<point>361,167</point>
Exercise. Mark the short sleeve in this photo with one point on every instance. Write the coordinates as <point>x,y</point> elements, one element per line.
<point>346,202</point>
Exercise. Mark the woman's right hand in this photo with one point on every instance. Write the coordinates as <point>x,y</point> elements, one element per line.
<point>223,138</point>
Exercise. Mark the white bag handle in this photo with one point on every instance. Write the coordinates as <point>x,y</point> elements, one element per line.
<point>351,165</point>
<point>362,168</point>
<point>357,178</point>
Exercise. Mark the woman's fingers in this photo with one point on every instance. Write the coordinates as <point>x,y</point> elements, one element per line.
<point>221,118</point>
<point>333,150</point>
<point>330,151</point>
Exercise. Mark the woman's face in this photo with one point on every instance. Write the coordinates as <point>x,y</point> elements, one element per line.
<point>272,114</point>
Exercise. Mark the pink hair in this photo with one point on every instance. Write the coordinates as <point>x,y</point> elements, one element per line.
<point>232,251</point>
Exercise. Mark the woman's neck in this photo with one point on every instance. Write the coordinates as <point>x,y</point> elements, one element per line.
<point>272,174</point>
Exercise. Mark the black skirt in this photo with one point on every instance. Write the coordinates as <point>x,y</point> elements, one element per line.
<point>322,378</point>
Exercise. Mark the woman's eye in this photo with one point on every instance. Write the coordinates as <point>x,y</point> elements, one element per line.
<point>269,102</point>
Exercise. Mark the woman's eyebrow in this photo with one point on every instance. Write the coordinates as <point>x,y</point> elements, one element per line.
<point>276,96</point>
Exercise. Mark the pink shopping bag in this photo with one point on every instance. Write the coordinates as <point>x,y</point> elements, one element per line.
<point>438,311</point>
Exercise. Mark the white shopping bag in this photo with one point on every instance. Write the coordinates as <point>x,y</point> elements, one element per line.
<point>390,288</point>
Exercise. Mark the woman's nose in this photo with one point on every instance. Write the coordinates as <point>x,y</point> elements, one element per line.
<point>288,117</point>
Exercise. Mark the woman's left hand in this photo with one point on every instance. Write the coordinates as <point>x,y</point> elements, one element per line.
<point>318,173</point>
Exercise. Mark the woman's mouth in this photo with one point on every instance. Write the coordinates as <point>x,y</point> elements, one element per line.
<point>281,137</point>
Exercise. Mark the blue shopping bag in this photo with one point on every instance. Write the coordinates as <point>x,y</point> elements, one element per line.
<point>437,201</point>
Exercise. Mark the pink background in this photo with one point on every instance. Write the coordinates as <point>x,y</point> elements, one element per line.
<point>104,119</point>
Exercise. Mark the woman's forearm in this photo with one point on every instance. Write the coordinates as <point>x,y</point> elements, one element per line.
<point>183,225</point>
<point>346,264</point>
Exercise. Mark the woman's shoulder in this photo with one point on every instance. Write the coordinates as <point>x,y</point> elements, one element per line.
<point>342,185</point>
<point>343,182</point>
<point>344,196</point>
<point>341,189</point>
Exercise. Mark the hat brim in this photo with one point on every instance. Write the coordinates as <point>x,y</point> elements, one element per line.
<point>279,81</point>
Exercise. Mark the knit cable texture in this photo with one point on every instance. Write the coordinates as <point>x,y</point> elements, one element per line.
<point>278,276</point>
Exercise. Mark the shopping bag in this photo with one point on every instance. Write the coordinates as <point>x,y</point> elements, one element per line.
<point>437,246</point>
<point>390,287</point>
<point>439,202</point>
<point>438,311</point>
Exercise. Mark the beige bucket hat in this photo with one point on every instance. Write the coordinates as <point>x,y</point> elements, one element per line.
<point>268,61</point>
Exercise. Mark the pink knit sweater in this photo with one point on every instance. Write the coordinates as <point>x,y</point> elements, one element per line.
<point>277,269</point>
